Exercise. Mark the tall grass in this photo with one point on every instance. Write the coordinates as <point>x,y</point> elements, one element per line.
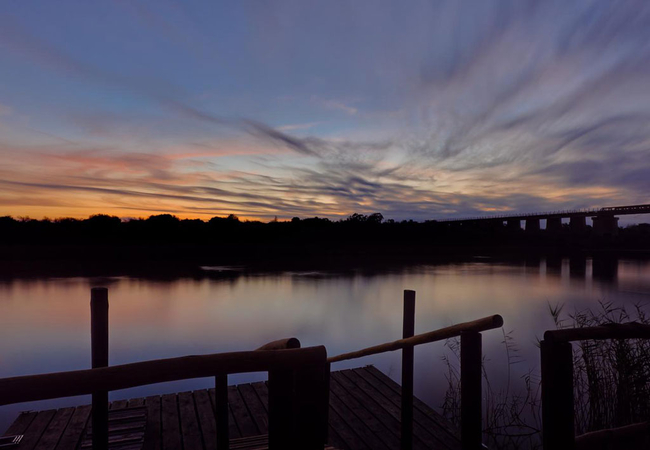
<point>611,382</point>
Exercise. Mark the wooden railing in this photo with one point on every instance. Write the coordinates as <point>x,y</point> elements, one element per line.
<point>558,422</point>
<point>470,369</point>
<point>298,384</point>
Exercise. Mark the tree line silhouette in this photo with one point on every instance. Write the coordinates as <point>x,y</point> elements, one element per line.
<point>360,233</point>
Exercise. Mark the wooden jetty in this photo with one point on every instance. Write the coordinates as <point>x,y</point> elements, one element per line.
<point>364,413</point>
<point>303,405</point>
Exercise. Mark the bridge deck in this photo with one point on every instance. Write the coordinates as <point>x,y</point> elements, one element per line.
<point>364,414</point>
<point>610,210</point>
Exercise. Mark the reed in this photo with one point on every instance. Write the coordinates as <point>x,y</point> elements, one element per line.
<point>611,381</point>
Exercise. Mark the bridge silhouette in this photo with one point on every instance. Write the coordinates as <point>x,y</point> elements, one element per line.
<point>605,220</point>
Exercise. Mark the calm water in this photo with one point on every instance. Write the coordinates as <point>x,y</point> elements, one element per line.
<point>45,322</point>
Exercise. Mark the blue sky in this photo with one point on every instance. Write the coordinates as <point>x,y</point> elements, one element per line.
<point>413,109</point>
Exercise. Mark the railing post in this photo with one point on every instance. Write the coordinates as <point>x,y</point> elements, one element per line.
<point>281,410</point>
<point>311,406</point>
<point>99,358</point>
<point>221,411</point>
<point>408,330</point>
<point>558,420</point>
<point>470,390</point>
<point>326,402</point>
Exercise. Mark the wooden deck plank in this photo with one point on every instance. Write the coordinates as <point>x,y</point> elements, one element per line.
<point>262,390</point>
<point>384,410</point>
<point>349,439</point>
<point>118,404</point>
<point>171,425</point>
<point>190,430</point>
<point>207,420</point>
<point>241,414</point>
<point>366,414</point>
<point>21,423</point>
<point>422,413</point>
<point>333,438</point>
<point>75,429</point>
<point>386,417</point>
<point>419,433</point>
<point>55,429</point>
<point>359,426</point>
<point>419,405</point>
<point>126,427</point>
<point>36,429</point>
<point>256,409</point>
<point>153,429</point>
<point>423,427</point>
<point>233,430</point>
<point>135,402</point>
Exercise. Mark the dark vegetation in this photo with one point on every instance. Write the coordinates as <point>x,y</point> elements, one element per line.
<point>162,239</point>
<point>611,382</point>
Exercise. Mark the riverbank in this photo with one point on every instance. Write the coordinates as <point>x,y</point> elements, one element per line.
<point>222,261</point>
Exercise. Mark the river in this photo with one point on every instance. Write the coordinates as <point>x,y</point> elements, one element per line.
<point>45,322</point>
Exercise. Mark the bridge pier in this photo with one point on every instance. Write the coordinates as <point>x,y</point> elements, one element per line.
<point>578,223</point>
<point>605,268</point>
<point>578,266</point>
<point>605,222</point>
<point>491,224</point>
<point>532,225</point>
<point>554,224</point>
<point>605,225</point>
<point>514,224</point>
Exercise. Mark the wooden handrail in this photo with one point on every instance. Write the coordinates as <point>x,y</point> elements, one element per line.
<point>281,344</point>
<point>630,330</point>
<point>556,354</point>
<point>486,323</point>
<point>83,382</point>
<point>602,438</point>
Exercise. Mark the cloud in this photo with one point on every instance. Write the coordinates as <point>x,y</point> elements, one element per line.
<point>336,105</point>
<point>298,126</point>
<point>18,41</point>
<point>502,106</point>
<point>5,110</point>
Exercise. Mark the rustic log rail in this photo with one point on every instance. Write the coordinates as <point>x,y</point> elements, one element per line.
<point>558,423</point>
<point>308,363</point>
<point>611,437</point>
<point>471,354</point>
<point>297,377</point>
<point>83,382</point>
<point>477,326</point>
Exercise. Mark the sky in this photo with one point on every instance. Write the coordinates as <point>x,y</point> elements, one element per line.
<point>417,110</point>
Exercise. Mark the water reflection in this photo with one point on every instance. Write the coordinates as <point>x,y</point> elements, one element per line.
<point>578,266</point>
<point>605,268</point>
<point>45,322</point>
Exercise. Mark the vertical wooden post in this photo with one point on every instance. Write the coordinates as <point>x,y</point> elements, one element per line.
<point>470,390</point>
<point>558,422</point>
<point>221,411</point>
<point>99,358</point>
<point>408,330</point>
<point>325,405</point>
<point>311,406</point>
<point>281,410</point>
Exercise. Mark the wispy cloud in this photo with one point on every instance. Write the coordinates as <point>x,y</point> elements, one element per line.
<point>502,106</point>
<point>298,126</point>
<point>336,105</point>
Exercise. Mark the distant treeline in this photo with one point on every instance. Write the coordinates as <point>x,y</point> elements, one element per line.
<point>230,237</point>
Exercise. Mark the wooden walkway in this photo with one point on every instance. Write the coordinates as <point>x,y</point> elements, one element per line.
<point>364,414</point>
